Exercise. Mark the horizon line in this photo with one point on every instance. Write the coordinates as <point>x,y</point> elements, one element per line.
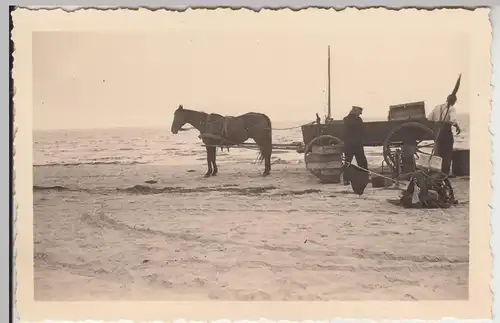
<point>302,122</point>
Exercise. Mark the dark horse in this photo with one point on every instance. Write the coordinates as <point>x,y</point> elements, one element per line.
<point>216,130</point>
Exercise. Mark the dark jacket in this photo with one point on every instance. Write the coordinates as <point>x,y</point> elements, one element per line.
<point>353,130</point>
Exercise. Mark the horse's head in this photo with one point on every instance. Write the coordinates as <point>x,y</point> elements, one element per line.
<point>179,120</point>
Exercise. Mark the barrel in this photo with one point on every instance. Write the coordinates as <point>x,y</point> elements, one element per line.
<point>325,162</point>
<point>461,162</point>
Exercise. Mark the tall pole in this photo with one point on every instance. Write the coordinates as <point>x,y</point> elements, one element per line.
<point>329,88</point>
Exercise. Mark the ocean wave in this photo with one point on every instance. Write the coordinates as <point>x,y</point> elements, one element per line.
<point>113,162</point>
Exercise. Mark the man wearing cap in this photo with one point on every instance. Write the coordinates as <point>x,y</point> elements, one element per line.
<point>444,141</point>
<point>353,137</point>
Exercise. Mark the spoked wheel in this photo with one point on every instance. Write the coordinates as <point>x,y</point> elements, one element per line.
<point>323,141</point>
<point>411,133</point>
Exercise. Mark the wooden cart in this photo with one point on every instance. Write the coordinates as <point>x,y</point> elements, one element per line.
<point>406,135</point>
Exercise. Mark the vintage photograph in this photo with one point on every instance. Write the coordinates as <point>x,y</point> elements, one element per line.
<point>317,159</point>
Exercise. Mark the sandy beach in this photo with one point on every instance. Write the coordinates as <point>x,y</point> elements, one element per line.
<point>121,208</point>
<point>102,232</point>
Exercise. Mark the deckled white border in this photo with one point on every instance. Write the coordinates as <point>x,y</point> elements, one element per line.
<point>495,240</point>
<point>495,154</point>
<point>263,320</point>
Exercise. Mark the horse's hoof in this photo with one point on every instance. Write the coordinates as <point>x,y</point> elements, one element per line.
<point>207,175</point>
<point>214,174</point>
<point>266,174</point>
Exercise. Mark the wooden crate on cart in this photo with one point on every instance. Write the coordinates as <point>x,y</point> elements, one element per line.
<point>407,111</point>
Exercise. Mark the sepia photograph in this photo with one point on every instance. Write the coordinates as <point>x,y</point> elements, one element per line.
<point>295,156</point>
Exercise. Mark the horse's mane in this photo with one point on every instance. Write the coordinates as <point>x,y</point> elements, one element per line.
<point>206,113</point>
<point>189,110</point>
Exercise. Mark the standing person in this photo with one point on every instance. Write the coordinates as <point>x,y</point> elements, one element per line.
<point>444,140</point>
<point>353,138</point>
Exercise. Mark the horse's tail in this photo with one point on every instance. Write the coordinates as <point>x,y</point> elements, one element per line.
<point>268,131</point>
<point>260,156</point>
<point>269,125</point>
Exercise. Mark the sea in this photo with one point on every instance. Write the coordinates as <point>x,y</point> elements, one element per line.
<point>158,146</point>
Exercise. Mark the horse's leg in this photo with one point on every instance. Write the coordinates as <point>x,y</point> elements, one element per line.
<point>209,161</point>
<point>266,148</point>
<point>214,164</point>
<point>269,150</point>
<point>267,160</point>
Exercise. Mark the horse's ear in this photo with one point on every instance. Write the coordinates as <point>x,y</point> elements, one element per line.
<point>180,107</point>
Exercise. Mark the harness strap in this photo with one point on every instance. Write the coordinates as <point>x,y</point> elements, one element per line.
<point>225,124</point>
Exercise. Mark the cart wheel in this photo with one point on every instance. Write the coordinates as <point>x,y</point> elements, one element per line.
<point>392,143</point>
<point>323,140</point>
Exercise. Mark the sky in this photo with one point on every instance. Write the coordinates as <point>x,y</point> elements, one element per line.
<point>257,63</point>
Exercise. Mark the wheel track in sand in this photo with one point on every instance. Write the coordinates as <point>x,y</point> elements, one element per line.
<point>99,219</point>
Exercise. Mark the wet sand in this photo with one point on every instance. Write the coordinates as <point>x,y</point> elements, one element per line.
<point>101,232</point>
